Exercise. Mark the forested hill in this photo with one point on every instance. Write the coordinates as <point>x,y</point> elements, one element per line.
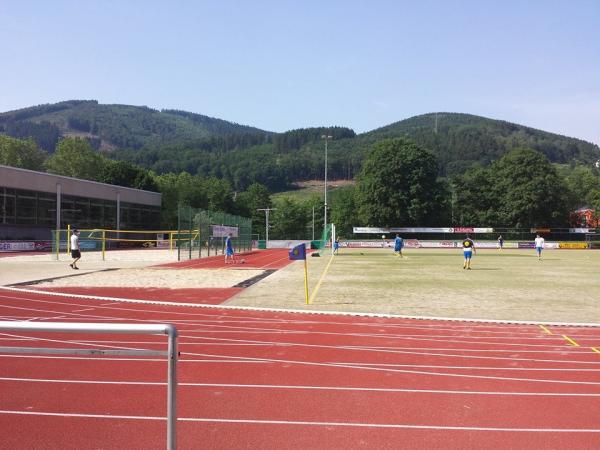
<point>176,141</point>
<point>459,140</point>
<point>109,127</point>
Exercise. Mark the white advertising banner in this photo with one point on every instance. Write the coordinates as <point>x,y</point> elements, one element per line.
<point>372,230</point>
<point>224,231</point>
<point>582,230</point>
<point>17,246</point>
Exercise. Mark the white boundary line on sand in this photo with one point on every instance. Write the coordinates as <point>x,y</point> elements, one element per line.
<point>300,311</point>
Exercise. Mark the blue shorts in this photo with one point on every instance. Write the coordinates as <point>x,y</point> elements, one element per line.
<point>538,249</point>
<point>397,249</point>
<point>468,254</point>
<point>229,252</point>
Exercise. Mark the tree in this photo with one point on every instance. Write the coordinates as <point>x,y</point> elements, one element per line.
<point>75,157</point>
<point>581,181</point>
<point>21,153</point>
<point>123,173</point>
<point>528,190</point>
<point>290,220</point>
<point>473,201</point>
<point>398,186</point>
<point>343,210</point>
<point>248,202</point>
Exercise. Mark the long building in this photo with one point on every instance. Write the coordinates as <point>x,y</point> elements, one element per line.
<point>34,203</point>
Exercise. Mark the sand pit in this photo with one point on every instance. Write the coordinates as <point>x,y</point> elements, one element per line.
<point>156,278</point>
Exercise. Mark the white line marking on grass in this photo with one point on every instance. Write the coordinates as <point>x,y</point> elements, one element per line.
<point>309,388</point>
<point>298,311</point>
<point>306,423</point>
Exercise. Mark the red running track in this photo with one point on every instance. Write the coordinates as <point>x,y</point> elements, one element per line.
<point>258,379</point>
<point>275,258</point>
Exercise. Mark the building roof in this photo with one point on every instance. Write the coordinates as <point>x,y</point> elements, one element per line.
<point>14,177</point>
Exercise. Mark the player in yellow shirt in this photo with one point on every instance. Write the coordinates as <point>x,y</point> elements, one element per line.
<point>468,249</point>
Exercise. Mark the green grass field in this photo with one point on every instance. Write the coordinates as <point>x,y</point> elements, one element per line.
<point>508,285</point>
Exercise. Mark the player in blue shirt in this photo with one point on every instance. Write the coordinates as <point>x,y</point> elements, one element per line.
<point>468,247</point>
<point>398,244</point>
<point>229,254</point>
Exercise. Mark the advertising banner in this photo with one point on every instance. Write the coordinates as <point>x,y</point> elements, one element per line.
<point>224,231</point>
<point>573,245</point>
<point>582,230</point>
<point>375,230</point>
<point>421,230</point>
<point>17,246</point>
<point>526,245</point>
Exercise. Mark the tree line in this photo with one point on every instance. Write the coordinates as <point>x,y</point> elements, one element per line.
<point>398,185</point>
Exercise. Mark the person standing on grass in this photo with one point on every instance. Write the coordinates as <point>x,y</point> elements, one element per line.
<point>398,245</point>
<point>336,246</point>
<point>75,252</point>
<point>500,242</point>
<point>468,249</point>
<point>539,246</point>
<point>229,254</point>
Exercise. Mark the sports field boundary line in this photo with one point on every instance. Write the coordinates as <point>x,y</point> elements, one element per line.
<point>301,311</point>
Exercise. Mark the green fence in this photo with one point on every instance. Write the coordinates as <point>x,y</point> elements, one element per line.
<point>206,231</point>
<point>325,239</point>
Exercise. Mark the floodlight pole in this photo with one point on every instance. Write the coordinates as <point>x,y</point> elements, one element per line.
<point>326,137</point>
<point>267,211</point>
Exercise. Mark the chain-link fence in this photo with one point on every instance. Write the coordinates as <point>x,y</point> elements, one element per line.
<point>203,232</point>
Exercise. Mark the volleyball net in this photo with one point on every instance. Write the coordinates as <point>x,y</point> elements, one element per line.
<point>199,233</point>
<point>104,240</point>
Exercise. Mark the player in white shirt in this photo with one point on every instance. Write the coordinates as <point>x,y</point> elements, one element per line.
<point>539,245</point>
<point>75,252</point>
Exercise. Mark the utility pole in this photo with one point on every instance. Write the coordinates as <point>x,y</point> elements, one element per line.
<point>326,137</point>
<point>313,224</point>
<point>267,211</point>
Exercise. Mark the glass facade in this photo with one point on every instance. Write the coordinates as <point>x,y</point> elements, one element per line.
<point>23,207</point>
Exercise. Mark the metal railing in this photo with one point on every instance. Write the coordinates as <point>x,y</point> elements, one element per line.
<point>154,329</point>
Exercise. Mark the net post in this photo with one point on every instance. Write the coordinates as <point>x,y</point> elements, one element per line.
<point>68,238</point>
<point>333,236</point>
<point>178,231</point>
<point>103,244</point>
<point>57,243</point>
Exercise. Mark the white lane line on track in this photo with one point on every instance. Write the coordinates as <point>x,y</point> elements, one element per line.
<point>275,331</point>
<point>132,320</point>
<point>309,388</point>
<point>359,349</point>
<point>413,372</point>
<point>407,352</point>
<point>249,319</point>
<point>192,340</point>
<point>296,311</point>
<point>111,318</point>
<point>61,341</point>
<point>306,423</point>
<point>233,359</point>
<point>83,310</point>
<point>220,359</point>
<point>394,370</point>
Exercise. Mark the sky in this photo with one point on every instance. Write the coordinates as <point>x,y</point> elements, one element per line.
<point>283,64</point>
